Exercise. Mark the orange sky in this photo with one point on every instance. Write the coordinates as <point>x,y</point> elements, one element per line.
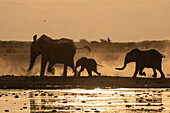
<point>121,20</point>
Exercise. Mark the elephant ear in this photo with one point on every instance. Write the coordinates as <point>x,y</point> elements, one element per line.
<point>84,58</point>
<point>136,50</point>
<point>35,38</point>
<point>135,53</point>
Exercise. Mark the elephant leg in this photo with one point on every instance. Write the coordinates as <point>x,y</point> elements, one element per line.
<point>73,68</point>
<point>89,72</point>
<point>65,70</point>
<point>82,69</point>
<point>51,69</point>
<point>95,70</point>
<point>141,72</point>
<point>154,73</point>
<point>161,72</point>
<point>136,71</point>
<point>43,66</point>
<point>99,74</point>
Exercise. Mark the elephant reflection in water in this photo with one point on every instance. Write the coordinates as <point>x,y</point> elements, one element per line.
<point>53,51</point>
<point>88,64</point>
<point>145,59</point>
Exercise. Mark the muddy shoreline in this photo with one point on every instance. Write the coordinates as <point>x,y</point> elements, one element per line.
<point>33,82</point>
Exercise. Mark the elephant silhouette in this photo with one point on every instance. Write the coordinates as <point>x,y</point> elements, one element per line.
<point>144,59</point>
<point>88,64</point>
<point>53,51</point>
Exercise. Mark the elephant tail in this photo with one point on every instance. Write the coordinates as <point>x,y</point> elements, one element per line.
<point>99,65</point>
<point>87,47</point>
<point>163,56</point>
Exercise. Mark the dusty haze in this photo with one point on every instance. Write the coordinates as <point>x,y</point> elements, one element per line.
<point>15,56</point>
<point>126,21</point>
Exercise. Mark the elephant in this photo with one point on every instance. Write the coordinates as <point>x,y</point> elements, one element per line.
<point>144,59</point>
<point>60,51</point>
<point>90,65</point>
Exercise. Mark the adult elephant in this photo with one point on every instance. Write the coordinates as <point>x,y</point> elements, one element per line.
<point>53,51</point>
<point>144,59</point>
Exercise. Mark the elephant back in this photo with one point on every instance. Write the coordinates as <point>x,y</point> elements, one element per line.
<point>154,53</point>
<point>66,41</point>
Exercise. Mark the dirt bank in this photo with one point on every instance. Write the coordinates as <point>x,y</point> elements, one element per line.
<point>81,82</point>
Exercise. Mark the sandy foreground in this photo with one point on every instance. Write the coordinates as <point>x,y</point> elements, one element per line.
<point>58,82</point>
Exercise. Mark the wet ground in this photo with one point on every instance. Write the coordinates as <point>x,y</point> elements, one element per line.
<point>122,100</point>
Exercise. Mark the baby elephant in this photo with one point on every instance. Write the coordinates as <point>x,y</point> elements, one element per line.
<point>89,64</point>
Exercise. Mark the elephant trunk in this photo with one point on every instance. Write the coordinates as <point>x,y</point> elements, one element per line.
<point>31,64</point>
<point>76,66</point>
<point>125,63</point>
<point>121,68</point>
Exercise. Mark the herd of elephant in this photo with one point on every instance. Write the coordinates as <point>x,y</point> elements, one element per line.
<point>63,51</point>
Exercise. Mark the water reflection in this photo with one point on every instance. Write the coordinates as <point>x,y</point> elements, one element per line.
<point>82,100</point>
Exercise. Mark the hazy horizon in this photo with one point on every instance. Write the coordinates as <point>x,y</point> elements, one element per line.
<point>130,21</point>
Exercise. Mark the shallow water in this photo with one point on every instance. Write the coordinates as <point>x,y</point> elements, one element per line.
<point>126,100</point>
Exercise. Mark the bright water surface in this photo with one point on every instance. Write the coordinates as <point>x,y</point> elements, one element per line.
<point>126,100</point>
